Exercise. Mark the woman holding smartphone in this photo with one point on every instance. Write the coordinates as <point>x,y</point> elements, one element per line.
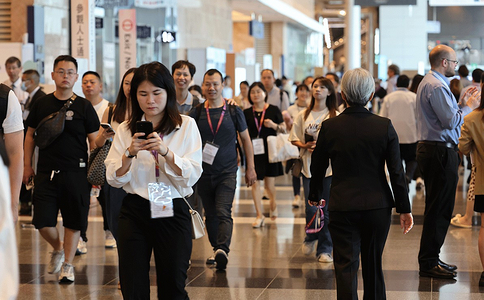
<point>119,113</point>
<point>263,120</point>
<point>304,134</point>
<point>156,173</point>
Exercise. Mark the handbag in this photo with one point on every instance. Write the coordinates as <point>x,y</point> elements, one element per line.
<point>279,148</point>
<point>198,226</point>
<point>297,167</point>
<point>50,127</point>
<point>96,169</point>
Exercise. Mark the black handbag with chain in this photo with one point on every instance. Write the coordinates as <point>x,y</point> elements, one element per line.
<point>52,126</point>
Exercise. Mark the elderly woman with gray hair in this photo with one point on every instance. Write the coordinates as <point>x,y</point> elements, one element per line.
<point>359,143</point>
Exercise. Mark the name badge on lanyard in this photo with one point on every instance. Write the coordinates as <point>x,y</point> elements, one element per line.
<point>209,152</point>
<point>258,143</point>
<point>210,149</point>
<point>161,202</point>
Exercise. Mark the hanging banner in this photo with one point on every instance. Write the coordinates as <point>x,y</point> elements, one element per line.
<point>83,35</point>
<point>127,40</point>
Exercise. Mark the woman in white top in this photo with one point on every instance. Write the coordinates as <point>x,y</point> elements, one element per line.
<point>301,103</point>
<point>304,134</point>
<point>156,170</point>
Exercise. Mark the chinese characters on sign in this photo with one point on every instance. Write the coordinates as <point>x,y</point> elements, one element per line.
<point>127,40</point>
<point>82,31</point>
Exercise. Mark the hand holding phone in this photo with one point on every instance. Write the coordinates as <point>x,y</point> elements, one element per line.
<point>107,127</point>
<point>144,126</point>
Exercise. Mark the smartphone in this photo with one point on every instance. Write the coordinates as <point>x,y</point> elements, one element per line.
<point>107,127</point>
<point>308,138</point>
<point>144,126</point>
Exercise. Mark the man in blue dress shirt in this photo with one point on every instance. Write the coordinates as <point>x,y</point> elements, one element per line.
<point>439,120</point>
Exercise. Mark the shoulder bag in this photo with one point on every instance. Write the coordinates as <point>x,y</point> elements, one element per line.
<point>198,226</point>
<point>50,127</point>
<point>96,169</point>
<point>280,149</point>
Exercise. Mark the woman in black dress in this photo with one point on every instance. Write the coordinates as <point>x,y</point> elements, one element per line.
<point>263,120</point>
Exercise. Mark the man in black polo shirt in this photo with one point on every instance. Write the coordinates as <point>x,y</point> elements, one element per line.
<point>61,179</point>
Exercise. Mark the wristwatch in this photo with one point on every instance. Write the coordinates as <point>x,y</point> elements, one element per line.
<point>127,154</point>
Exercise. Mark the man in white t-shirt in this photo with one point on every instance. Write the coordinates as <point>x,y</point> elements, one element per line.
<point>13,66</point>
<point>13,134</point>
<point>92,87</point>
<point>9,279</point>
<point>400,107</point>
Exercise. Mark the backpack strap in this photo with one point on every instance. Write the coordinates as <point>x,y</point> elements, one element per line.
<point>4,90</point>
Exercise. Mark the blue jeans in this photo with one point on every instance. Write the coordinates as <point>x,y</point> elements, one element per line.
<point>217,194</point>
<point>325,244</point>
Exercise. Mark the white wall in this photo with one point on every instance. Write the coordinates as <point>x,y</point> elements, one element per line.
<point>404,35</point>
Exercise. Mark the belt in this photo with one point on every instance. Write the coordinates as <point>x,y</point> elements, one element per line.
<point>439,144</point>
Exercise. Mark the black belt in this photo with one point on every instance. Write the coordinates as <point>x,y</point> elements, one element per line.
<point>439,144</point>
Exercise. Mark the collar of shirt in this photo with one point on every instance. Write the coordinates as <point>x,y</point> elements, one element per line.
<point>445,79</point>
<point>188,100</point>
<point>31,95</point>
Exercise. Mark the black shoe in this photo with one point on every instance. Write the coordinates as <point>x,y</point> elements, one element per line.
<point>438,272</point>
<point>447,266</point>
<point>265,198</point>
<point>221,259</point>
<point>481,280</point>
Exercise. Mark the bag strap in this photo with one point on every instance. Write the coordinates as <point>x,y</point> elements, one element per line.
<point>110,112</point>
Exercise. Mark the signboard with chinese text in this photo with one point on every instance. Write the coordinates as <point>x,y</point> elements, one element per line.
<point>127,40</point>
<point>83,35</point>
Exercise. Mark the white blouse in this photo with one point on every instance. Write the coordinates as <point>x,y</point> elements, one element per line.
<point>184,142</point>
<point>311,126</point>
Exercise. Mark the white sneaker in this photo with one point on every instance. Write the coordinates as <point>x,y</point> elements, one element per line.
<point>81,247</point>
<point>67,273</point>
<point>325,258</point>
<point>309,247</point>
<point>109,242</point>
<point>297,201</point>
<point>221,259</point>
<point>56,260</point>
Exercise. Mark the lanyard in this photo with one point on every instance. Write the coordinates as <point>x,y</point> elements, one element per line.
<point>157,162</point>
<point>446,85</point>
<point>259,127</point>
<point>219,121</point>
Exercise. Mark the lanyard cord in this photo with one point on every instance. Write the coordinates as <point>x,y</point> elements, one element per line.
<point>259,127</point>
<point>219,121</point>
<point>157,163</point>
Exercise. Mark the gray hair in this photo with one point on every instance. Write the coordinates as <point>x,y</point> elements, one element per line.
<point>357,85</point>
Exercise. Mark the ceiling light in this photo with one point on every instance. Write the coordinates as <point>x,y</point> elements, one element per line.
<point>342,12</point>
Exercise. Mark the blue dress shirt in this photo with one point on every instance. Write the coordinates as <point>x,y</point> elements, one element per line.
<point>439,118</point>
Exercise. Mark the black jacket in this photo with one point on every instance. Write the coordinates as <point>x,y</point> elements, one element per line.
<point>359,144</point>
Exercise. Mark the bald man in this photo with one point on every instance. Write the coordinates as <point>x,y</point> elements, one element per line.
<point>439,120</point>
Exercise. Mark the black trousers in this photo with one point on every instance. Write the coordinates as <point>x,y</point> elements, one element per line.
<point>170,239</point>
<point>355,232</point>
<point>438,166</point>
<point>408,154</point>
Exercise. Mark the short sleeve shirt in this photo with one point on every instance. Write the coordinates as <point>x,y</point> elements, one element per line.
<point>226,159</point>
<point>13,121</point>
<point>69,151</point>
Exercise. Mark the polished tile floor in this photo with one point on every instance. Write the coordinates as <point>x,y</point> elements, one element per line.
<point>264,263</point>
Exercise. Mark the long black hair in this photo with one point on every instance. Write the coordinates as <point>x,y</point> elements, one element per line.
<point>158,75</point>
<point>121,104</point>
<point>331,103</point>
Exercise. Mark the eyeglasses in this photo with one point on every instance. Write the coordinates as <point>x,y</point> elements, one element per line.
<point>454,61</point>
<point>69,73</point>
